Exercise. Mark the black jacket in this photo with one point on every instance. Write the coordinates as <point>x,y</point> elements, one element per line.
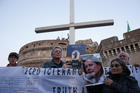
<point>122,84</point>
<point>51,64</point>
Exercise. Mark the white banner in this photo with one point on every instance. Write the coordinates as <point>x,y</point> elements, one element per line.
<point>45,80</point>
<point>40,80</point>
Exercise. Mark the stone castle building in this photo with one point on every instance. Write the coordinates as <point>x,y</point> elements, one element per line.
<point>91,47</point>
<point>109,48</point>
<point>34,54</point>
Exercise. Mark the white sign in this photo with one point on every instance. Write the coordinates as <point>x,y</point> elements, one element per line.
<point>46,80</point>
<point>40,80</point>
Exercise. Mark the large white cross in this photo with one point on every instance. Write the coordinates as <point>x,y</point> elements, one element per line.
<point>72,26</point>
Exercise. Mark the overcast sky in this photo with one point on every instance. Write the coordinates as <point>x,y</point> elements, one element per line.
<point>19,18</point>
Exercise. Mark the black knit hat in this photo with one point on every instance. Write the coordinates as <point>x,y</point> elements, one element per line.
<point>13,54</point>
<point>121,62</point>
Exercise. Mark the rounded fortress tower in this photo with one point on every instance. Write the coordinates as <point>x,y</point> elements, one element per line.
<point>34,54</point>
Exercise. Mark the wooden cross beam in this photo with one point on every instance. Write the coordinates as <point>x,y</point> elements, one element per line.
<point>72,26</point>
<point>75,25</point>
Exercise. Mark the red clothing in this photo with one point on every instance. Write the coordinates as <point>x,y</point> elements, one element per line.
<point>12,65</point>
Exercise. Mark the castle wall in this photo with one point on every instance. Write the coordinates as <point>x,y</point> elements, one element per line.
<point>111,47</point>
<point>91,47</point>
<point>36,53</point>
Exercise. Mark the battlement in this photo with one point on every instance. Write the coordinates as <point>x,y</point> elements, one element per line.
<point>109,48</point>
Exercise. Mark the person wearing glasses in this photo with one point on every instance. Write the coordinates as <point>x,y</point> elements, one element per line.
<point>119,79</point>
<point>56,61</point>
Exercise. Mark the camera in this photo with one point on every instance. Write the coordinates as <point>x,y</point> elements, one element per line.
<point>75,64</point>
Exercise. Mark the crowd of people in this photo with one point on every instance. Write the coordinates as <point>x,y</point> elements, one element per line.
<point>118,79</point>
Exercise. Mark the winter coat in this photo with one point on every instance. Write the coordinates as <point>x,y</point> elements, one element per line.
<point>122,84</point>
<point>51,64</point>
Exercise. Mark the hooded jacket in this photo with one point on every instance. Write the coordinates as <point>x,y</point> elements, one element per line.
<point>123,82</point>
